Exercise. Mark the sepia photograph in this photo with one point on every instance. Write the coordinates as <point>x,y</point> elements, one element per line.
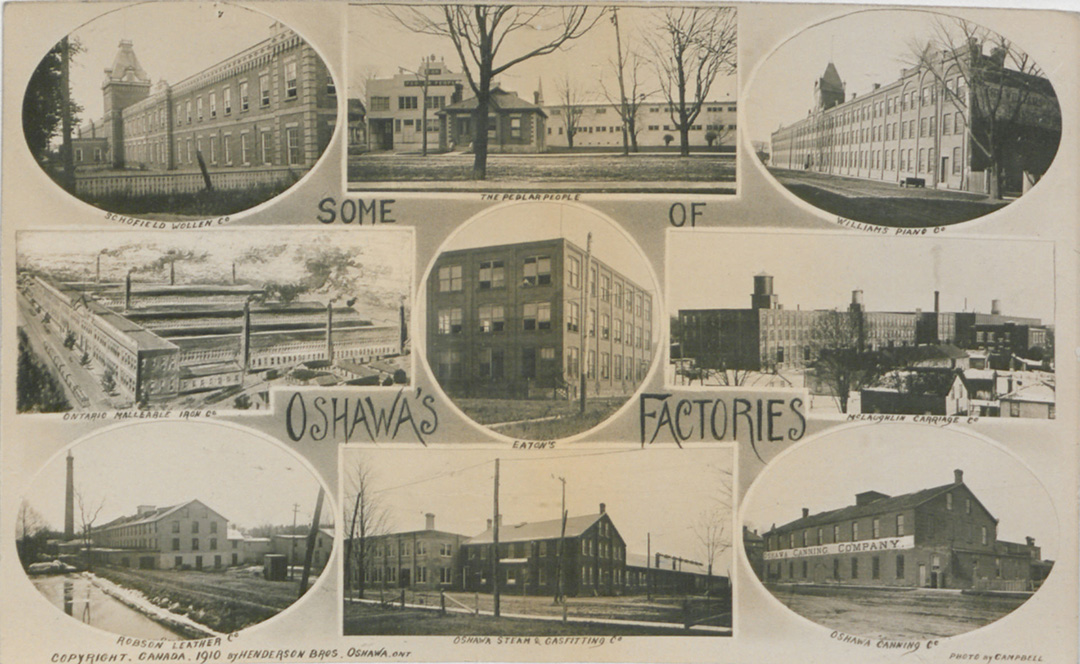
<point>904,118</point>
<point>949,535</point>
<point>113,320</point>
<point>943,336</point>
<point>571,547</point>
<point>540,319</point>
<point>569,98</point>
<point>191,546</point>
<point>138,113</point>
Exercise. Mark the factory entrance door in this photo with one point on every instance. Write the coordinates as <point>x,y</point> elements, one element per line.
<point>922,575</point>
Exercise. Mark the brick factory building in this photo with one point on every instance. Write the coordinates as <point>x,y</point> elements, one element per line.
<point>922,125</point>
<point>185,535</point>
<point>768,336</point>
<point>594,561</point>
<point>269,109</point>
<point>942,537</point>
<point>506,321</point>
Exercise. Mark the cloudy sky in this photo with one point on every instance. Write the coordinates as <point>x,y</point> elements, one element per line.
<point>826,473</point>
<point>247,479</point>
<point>867,47</point>
<point>662,492</point>
<point>819,271</point>
<point>379,45</point>
<point>172,40</point>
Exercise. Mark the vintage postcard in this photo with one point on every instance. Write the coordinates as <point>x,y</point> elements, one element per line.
<point>621,331</point>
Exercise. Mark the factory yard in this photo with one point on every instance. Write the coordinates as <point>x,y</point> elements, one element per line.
<point>885,203</point>
<point>898,614</point>
<point>714,173</point>
<point>539,615</point>
<point>224,601</point>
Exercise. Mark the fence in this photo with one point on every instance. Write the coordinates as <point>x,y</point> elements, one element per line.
<point>138,184</point>
<point>1003,585</point>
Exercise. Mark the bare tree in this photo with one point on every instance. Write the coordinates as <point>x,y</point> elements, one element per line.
<point>571,105</point>
<point>365,522</point>
<point>484,37</point>
<point>627,104</point>
<point>1001,98</point>
<point>89,509</point>
<point>30,532</point>
<point>711,530</point>
<point>841,360</point>
<point>690,48</point>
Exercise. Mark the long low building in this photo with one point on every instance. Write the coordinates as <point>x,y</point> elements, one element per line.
<point>162,341</point>
<point>588,556</point>
<point>941,537</point>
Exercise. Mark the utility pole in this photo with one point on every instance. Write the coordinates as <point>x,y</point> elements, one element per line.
<point>67,154</point>
<point>622,86</point>
<point>495,544</point>
<point>312,535</point>
<point>423,78</point>
<point>292,541</point>
<point>648,566</point>
<point>585,315</point>
<point>559,597</point>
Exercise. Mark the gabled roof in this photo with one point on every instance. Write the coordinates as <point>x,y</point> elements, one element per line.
<point>894,503</point>
<point>1038,393</point>
<point>499,100</point>
<point>575,526</point>
<point>150,516</point>
<point>831,78</point>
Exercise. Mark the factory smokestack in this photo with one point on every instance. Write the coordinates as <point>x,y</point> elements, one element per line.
<point>404,327</point>
<point>937,302</point>
<point>245,336</point>
<point>127,291</point>
<point>234,273</point>
<point>329,331</point>
<point>69,500</point>
<point>98,278</point>
<point>172,273</point>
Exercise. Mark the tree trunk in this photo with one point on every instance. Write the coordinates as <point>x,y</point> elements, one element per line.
<point>569,139</point>
<point>480,138</point>
<point>684,139</point>
<point>994,175</point>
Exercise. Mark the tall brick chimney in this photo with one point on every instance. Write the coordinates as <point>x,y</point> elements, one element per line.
<point>329,331</point>
<point>245,337</point>
<point>127,291</point>
<point>959,476</point>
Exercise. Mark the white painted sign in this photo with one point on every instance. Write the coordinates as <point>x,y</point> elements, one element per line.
<point>884,544</point>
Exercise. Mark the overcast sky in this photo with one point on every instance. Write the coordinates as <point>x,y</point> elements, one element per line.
<point>383,259</point>
<point>379,45</point>
<point>657,491</point>
<point>527,222</point>
<point>819,271</point>
<point>896,459</point>
<point>247,479</point>
<point>867,47</point>
<point>172,40</point>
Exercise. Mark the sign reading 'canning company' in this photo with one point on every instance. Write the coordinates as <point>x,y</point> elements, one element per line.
<point>884,544</point>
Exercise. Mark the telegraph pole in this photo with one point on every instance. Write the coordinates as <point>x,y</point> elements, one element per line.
<point>292,540</point>
<point>562,536</point>
<point>585,315</point>
<point>648,566</point>
<point>495,544</point>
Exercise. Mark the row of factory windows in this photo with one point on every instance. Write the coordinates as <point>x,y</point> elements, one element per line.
<point>536,316</point>
<point>392,549</point>
<point>491,364</point>
<point>951,123</point>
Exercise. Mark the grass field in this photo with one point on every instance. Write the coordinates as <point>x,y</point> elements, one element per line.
<point>223,601</point>
<point>531,169</point>
<point>552,418</point>
<point>198,205</point>
<point>587,614</point>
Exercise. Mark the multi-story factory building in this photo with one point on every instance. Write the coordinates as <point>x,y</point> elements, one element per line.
<point>766,336</point>
<point>593,556</point>
<point>186,535</point>
<point>420,559</point>
<point>165,340</point>
<point>523,320</point>
<point>930,124</point>
<point>269,107</point>
<point>942,537</point>
<point>396,106</point>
